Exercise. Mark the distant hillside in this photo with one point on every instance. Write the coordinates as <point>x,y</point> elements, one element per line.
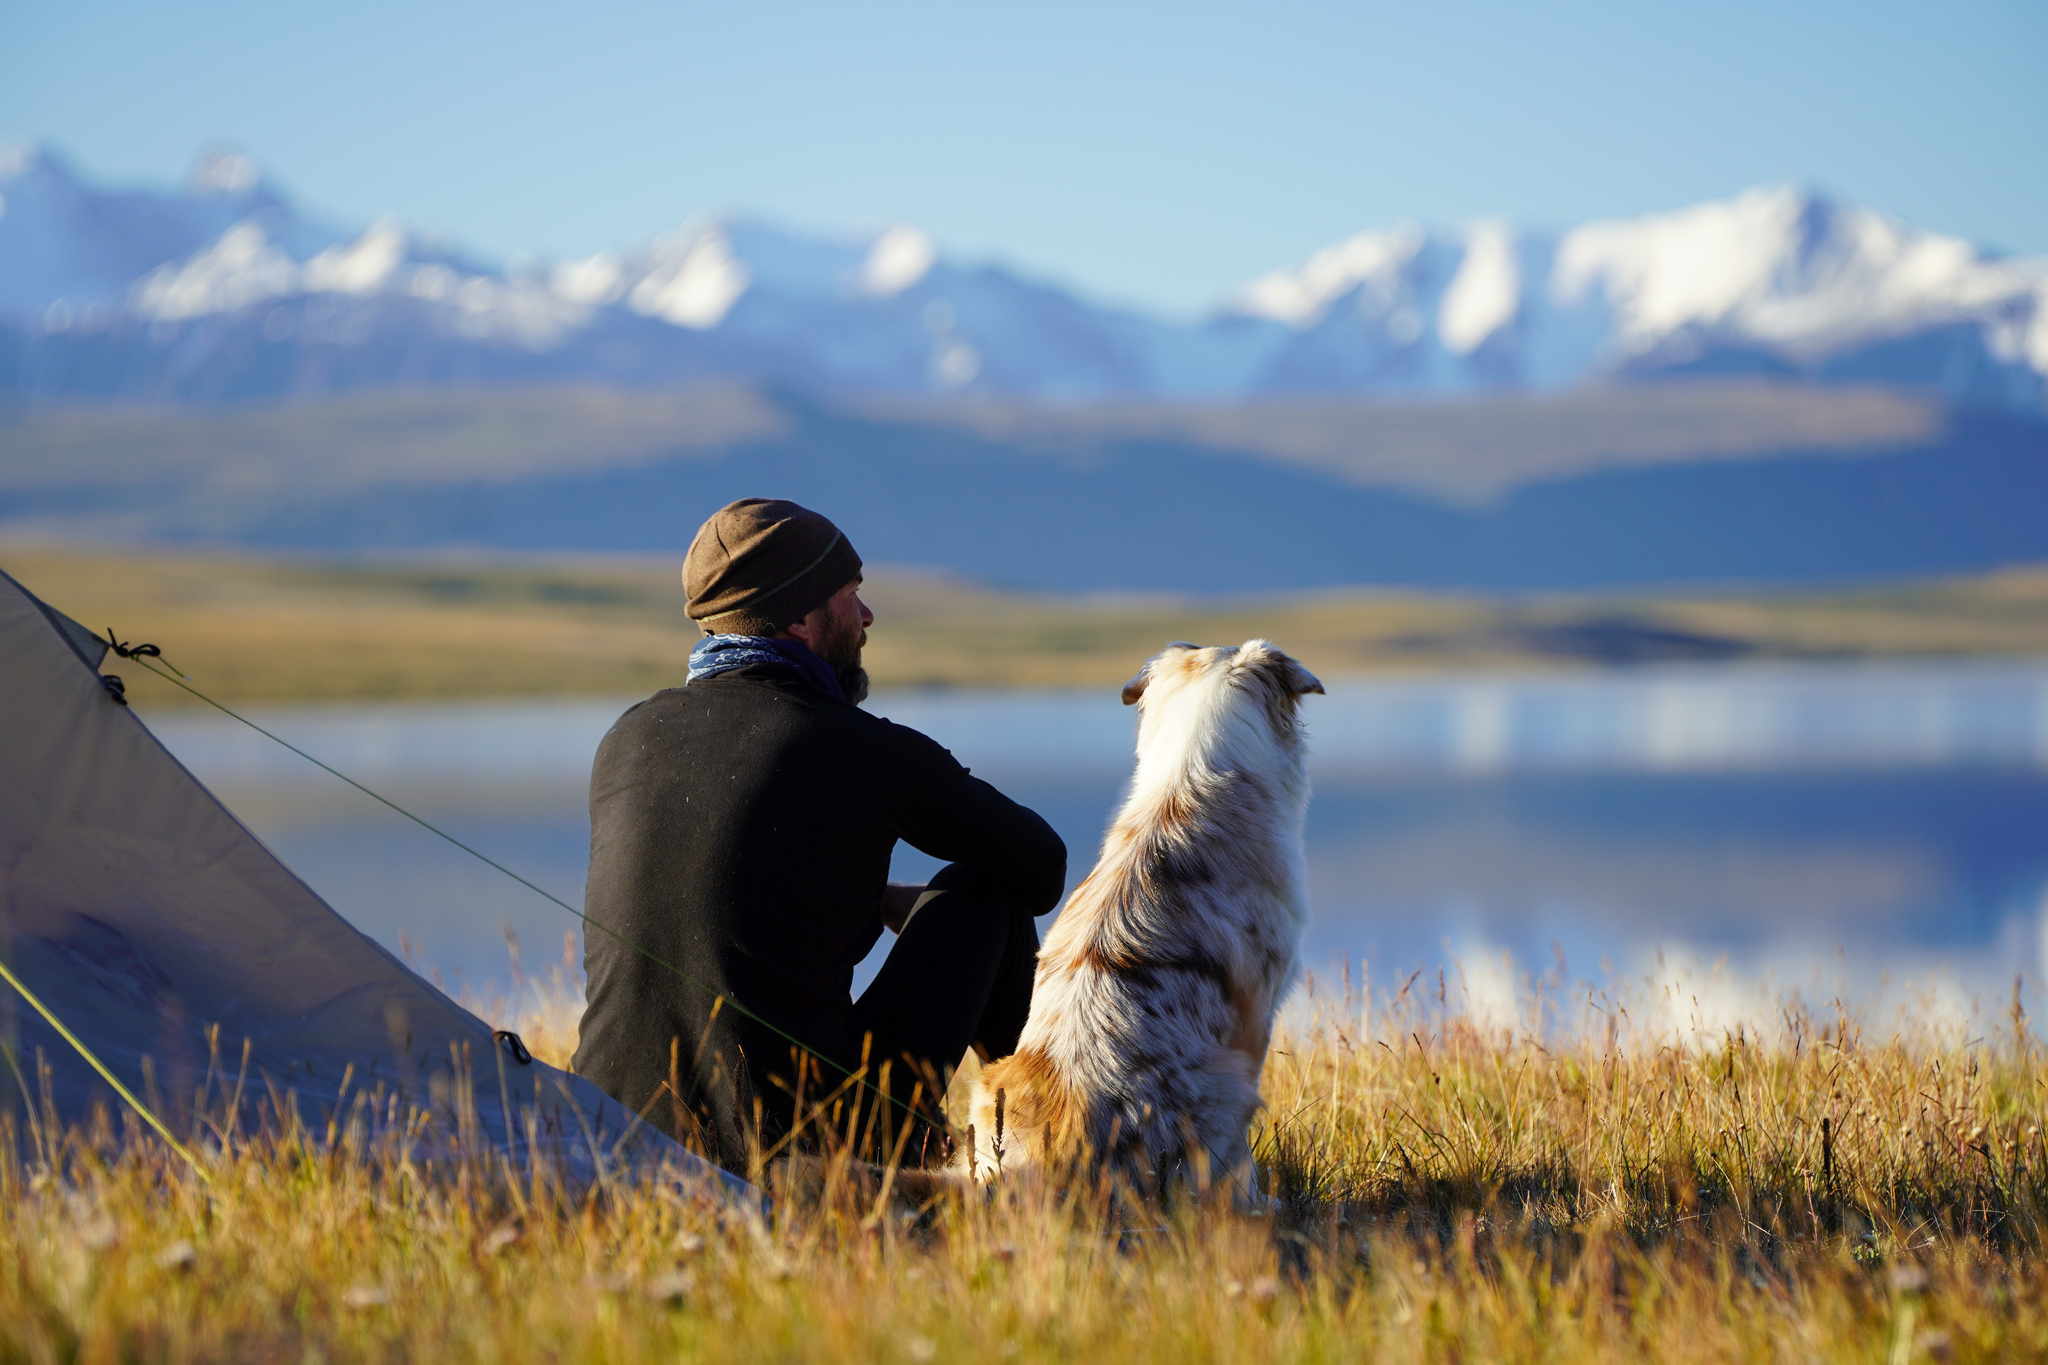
<point>222,292</point>
<point>1676,484</point>
<point>250,628</point>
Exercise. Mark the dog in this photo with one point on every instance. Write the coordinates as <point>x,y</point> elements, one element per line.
<point>1156,990</point>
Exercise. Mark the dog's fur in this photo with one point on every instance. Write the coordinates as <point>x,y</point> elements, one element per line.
<point>1157,986</point>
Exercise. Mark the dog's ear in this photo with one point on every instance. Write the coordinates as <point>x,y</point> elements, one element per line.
<point>1135,688</point>
<point>1278,666</point>
<point>1299,679</point>
<point>1291,676</point>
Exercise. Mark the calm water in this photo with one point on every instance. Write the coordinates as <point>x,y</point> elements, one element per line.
<point>1858,827</point>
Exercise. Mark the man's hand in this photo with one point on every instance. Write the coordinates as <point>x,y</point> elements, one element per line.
<point>898,901</point>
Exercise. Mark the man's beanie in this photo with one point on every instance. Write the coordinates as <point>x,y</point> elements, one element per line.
<point>760,563</point>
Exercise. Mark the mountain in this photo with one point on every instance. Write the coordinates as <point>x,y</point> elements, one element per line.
<point>222,292</point>
<point>1777,281</point>
<point>68,246</point>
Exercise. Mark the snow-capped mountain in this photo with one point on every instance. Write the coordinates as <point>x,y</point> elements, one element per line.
<point>62,241</point>
<point>243,299</point>
<point>1776,280</point>
<point>223,291</point>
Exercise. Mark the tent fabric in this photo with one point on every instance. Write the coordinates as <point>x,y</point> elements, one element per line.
<point>143,914</point>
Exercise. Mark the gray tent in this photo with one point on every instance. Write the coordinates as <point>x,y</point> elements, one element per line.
<point>142,913</point>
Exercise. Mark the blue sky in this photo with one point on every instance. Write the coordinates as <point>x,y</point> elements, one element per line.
<point>1155,153</point>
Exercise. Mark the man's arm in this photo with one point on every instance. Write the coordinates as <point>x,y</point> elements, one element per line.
<point>947,812</point>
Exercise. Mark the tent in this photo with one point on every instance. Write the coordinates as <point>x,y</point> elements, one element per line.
<point>142,914</point>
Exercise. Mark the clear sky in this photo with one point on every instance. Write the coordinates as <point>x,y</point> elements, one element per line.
<point>1152,152</point>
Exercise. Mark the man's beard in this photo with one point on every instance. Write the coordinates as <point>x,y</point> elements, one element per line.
<point>842,653</point>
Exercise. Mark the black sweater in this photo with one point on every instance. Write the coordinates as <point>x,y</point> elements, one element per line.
<point>740,829</point>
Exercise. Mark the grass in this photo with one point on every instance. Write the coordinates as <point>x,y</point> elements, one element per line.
<point>1608,1189</point>
<point>298,630</point>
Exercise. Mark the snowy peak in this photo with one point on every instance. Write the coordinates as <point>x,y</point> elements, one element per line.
<point>1459,286</point>
<point>1485,295</point>
<point>896,260</point>
<point>1373,267</point>
<point>691,277</point>
<point>694,276</point>
<point>237,269</point>
<point>1786,268</point>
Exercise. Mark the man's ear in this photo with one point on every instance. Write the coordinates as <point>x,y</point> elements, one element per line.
<point>803,628</point>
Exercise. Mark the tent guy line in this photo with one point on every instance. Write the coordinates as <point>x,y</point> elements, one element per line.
<point>135,654</point>
<point>108,1076</point>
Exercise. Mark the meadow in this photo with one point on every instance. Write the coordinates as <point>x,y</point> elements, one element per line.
<point>1607,1177</point>
<point>1603,1181</point>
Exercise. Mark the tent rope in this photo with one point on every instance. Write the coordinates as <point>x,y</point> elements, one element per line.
<point>856,1076</point>
<point>97,1065</point>
<point>128,651</point>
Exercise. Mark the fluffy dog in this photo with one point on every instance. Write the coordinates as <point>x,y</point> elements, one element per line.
<point>1157,986</point>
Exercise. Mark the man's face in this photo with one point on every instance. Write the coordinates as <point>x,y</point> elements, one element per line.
<point>836,633</point>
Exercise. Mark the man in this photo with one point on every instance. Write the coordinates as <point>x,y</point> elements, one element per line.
<point>740,833</point>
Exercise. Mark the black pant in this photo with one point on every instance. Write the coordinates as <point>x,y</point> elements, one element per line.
<point>959,975</point>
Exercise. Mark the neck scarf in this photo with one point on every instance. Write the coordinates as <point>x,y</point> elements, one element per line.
<point>716,654</point>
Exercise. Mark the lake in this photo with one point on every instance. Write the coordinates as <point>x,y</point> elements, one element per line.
<point>1874,829</point>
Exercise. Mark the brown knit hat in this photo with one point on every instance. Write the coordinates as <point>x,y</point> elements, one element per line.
<point>760,563</point>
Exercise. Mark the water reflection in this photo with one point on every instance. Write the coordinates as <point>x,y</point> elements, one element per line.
<point>1828,826</point>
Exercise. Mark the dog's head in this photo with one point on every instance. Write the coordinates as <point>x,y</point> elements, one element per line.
<point>1255,669</point>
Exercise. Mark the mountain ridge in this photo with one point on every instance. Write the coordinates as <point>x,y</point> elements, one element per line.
<point>225,293</point>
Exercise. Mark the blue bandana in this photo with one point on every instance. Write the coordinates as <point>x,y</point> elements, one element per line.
<point>716,654</point>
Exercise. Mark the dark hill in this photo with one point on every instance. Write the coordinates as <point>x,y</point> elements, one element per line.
<point>1173,500</point>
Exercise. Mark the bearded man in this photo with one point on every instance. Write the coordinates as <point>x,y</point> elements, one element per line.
<point>740,833</point>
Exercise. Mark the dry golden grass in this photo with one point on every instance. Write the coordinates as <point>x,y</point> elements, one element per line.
<point>1448,1193</point>
<point>249,629</point>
